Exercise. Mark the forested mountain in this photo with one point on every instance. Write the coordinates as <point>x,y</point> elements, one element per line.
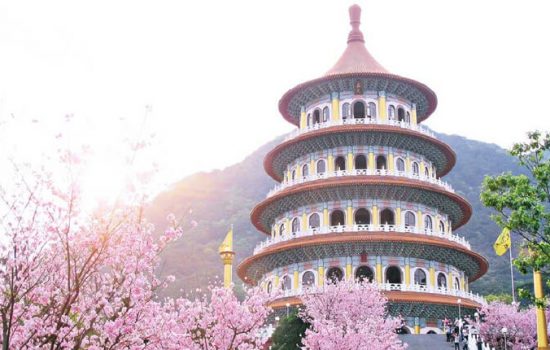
<point>220,198</point>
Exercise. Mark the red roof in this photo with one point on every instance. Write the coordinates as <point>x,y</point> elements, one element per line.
<point>356,63</point>
<point>356,58</point>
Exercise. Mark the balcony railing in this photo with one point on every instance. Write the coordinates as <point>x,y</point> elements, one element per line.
<point>375,172</point>
<point>360,228</point>
<point>359,121</point>
<point>397,287</point>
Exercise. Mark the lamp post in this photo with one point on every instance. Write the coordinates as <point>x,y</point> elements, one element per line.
<point>504,331</point>
<point>459,301</point>
<point>287,306</point>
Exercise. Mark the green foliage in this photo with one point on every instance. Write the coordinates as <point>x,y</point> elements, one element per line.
<point>288,334</point>
<point>503,298</point>
<point>522,202</point>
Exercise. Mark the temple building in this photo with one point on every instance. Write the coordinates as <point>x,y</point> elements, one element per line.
<point>360,196</point>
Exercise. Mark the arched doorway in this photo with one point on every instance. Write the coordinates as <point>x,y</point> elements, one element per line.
<point>335,275</point>
<point>308,279</point>
<point>337,218</point>
<point>387,217</point>
<point>360,162</point>
<point>359,110</point>
<point>420,277</point>
<point>364,274</point>
<point>381,162</point>
<point>393,275</point>
<point>340,163</point>
<point>441,280</point>
<point>362,217</point>
<point>316,117</point>
<point>400,114</point>
<point>314,221</point>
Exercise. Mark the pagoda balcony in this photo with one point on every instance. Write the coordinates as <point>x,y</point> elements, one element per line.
<point>360,228</point>
<point>392,287</point>
<point>355,172</point>
<point>359,121</point>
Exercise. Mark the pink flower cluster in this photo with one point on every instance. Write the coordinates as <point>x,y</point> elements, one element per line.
<point>349,315</point>
<point>520,324</point>
<point>75,281</point>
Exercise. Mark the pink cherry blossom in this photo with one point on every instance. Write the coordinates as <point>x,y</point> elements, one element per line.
<point>349,315</point>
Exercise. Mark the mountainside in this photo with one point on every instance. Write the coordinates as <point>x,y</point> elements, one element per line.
<point>220,198</point>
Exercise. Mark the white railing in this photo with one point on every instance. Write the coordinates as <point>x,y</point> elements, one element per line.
<point>360,228</point>
<point>356,172</point>
<point>356,121</point>
<point>398,287</point>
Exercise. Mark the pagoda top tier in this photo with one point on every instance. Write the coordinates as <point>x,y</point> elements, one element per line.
<point>357,64</point>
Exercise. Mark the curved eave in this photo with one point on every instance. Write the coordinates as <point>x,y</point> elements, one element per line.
<point>361,237</point>
<point>360,128</point>
<point>424,107</point>
<point>396,297</point>
<point>362,181</point>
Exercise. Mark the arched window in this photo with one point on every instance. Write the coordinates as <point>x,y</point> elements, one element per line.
<point>400,114</point>
<point>408,117</point>
<point>295,225</point>
<point>345,111</point>
<point>281,229</point>
<point>337,218</point>
<point>364,274</point>
<point>305,170</point>
<point>391,112</point>
<point>321,167</point>
<point>457,284</point>
<point>360,162</point>
<point>269,286</point>
<point>359,110</point>
<point>362,217</point>
<point>326,114</point>
<point>387,217</point>
<point>286,284</point>
<point>340,163</point>
<point>316,116</point>
<point>335,275</point>
<point>393,275</point>
<point>308,279</point>
<point>371,110</point>
<point>426,172</point>
<point>400,164</point>
<point>428,225</point>
<point>308,119</point>
<point>441,280</point>
<point>410,219</point>
<point>420,277</point>
<point>293,175</point>
<point>314,221</point>
<point>381,162</point>
<point>441,226</point>
<point>416,170</point>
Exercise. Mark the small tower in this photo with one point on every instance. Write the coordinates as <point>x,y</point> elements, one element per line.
<point>227,254</point>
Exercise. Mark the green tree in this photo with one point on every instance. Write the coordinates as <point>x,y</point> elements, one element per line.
<point>288,334</point>
<point>522,202</point>
<point>503,298</point>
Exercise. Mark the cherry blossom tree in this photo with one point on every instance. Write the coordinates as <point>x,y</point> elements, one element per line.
<point>217,321</point>
<point>349,315</point>
<point>520,324</point>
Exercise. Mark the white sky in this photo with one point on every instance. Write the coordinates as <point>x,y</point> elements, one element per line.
<point>213,71</point>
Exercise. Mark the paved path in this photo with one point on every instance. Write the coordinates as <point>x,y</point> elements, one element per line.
<point>426,342</point>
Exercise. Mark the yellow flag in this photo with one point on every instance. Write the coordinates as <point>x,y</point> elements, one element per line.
<point>503,242</point>
<point>227,244</point>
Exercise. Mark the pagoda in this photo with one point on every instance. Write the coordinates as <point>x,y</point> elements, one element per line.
<point>360,196</point>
